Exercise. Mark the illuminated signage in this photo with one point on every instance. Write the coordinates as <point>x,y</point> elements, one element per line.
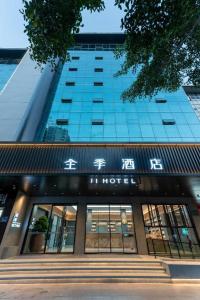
<point>112,180</point>
<point>126,164</point>
<point>15,222</point>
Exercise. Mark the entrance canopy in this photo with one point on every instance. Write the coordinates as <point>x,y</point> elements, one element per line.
<point>101,169</point>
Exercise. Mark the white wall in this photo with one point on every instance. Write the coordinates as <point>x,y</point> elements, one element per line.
<point>19,99</point>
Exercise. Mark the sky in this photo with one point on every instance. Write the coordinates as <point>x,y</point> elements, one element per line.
<point>11,22</point>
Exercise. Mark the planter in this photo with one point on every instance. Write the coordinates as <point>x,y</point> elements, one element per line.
<point>37,241</point>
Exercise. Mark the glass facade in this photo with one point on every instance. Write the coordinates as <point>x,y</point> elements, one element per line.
<point>110,229</point>
<point>9,59</point>
<point>6,70</point>
<point>195,102</point>
<point>87,104</point>
<point>51,229</point>
<point>169,231</point>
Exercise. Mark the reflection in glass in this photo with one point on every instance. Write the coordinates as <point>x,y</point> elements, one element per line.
<point>109,228</point>
<point>36,235</point>
<point>169,231</point>
<point>60,233</point>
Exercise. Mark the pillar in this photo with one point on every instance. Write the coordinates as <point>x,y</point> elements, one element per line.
<point>80,229</point>
<point>14,233</point>
<point>139,229</point>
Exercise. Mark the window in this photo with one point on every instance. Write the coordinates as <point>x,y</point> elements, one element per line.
<point>62,122</point>
<point>168,122</point>
<point>75,57</point>
<point>73,69</point>
<point>98,70</point>
<point>70,83</point>
<point>98,83</point>
<point>97,100</point>
<point>160,100</point>
<point>97,122</point>
<point>169,231</point>
<point>99,57</point>
<point>66,100</point>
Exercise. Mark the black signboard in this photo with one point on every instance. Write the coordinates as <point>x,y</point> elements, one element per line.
<point>135,159</point>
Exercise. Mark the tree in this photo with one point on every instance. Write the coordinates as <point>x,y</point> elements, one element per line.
<point>162,46</point>
<point>52,24</point>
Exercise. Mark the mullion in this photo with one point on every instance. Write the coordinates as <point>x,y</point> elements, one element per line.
<point>122,235</point>
<point>98,230</point>
<point>48,230</point>
<point>177,227</point>
<point>109,227</point>
<point>152,218</point>
<point>169,215</point>
<point>186,216</point>
<point>61,230</point>
<point>182,216</point>
<point>171,227</point>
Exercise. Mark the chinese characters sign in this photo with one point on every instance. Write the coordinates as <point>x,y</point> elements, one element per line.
<point>98,159</point>
<point>125,164</point>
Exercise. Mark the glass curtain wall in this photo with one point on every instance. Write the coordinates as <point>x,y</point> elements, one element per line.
<point>110,229</point>
<point>51,229</point>
<point>169,231</point>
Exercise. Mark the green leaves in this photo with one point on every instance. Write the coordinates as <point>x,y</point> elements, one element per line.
<point>162,39</point>
<point>41,225</point>
<point>51,26</point>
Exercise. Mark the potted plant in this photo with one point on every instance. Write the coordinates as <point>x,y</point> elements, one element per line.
<point>38,234</point>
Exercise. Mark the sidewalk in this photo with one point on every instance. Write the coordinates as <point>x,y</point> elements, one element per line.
<point>100,292</point>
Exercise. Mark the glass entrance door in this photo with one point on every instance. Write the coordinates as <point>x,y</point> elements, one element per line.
<point>110,229</point>
<point>51,229</point>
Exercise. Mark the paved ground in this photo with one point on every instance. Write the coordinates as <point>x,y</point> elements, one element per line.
<point>100,292</point>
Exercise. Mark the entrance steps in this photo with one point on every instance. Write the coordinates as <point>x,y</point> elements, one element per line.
<point>34,269</point>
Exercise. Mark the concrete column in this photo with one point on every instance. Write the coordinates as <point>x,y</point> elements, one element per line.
<point>80,230</point>
<point>196,220</point>
<point>24,100</point>
<point>194,214</point>
<point>139,229</point>
<point>12,240</point>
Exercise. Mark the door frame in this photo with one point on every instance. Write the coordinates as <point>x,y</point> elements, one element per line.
<point>134,231</point>
<point>135,200</point>
<point>27,229</point>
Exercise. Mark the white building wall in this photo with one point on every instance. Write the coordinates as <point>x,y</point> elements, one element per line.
<point>19,98</point>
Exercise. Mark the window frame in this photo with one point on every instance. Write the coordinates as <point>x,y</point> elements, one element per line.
<point>70,83</point>
<point>97,122</point>
<point>62,122</point>
<point>98,70</point>
<point>98,57</point>
<point>168,122</point>
<point>73,69</point>
<point>66,101</point>
<point>98,83</point>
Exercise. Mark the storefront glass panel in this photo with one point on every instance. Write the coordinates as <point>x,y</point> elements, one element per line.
<point>110,229</point>
<point>169,231</point>
<point>51,229</point>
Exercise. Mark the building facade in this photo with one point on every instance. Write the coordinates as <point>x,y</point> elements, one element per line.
<point>98,175</point>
